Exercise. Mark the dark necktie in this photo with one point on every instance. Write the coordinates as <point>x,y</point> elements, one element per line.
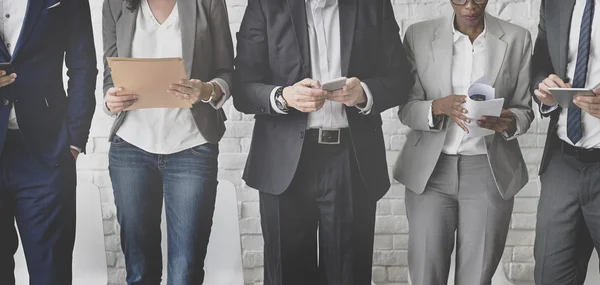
<point>574,125</point>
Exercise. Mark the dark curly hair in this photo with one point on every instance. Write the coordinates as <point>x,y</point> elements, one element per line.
<point>133,4</point>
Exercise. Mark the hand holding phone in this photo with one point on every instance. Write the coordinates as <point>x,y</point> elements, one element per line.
<point>9,74</point>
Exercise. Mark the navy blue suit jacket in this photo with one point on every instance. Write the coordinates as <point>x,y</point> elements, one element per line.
<point>50,122</point>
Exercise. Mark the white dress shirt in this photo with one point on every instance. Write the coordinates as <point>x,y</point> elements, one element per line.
<point>591,125</point>
<point>162,130</point>
<point>323,18</point>
<point>468,65</point>
<point>12,15</point>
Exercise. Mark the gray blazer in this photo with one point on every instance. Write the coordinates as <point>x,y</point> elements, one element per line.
<point>429,47</point>
<point>207,52</point>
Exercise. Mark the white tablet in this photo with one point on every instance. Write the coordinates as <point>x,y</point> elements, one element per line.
<point>565,96</point>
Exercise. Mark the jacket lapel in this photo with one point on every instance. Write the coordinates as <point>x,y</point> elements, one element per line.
<point>297,10</point>
<point>496,49</point>
<point>347,26</point>
<point>442,55</point>
<point>188,12</point>
<point>34,8</point>
<point>125,30</point>
<point>566,13</point>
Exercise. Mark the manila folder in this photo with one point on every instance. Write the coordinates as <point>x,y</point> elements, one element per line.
<point>149,78</point>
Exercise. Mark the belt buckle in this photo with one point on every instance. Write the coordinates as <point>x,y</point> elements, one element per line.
<point>329,136</point>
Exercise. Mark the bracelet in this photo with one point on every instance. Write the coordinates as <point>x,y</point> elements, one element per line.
<point>212,94</point>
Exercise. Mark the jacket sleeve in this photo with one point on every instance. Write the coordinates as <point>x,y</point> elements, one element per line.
<point>541,63</point>
<point>415,113</point>
<point>80,60</point>
<point>252,71</point>
<point>390,88</point>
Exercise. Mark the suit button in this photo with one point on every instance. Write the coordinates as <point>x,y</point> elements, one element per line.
<point>301,135</point>
<point>261,109</point>
<point>5,102</point>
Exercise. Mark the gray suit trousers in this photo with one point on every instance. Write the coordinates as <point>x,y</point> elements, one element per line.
<point>568,220</point>
<point>461,199</point>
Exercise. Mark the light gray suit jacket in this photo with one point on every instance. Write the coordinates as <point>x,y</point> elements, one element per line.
<point>207,52</point>
<point>429,47</point>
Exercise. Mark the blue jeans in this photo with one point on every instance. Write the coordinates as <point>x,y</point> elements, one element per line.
<point>188,181</point>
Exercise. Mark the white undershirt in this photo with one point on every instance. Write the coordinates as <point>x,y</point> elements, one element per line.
<point>160,131</point>
<point>468,65</point>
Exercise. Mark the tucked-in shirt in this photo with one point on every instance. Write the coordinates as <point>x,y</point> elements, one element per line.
<point>12,15</point>
<point>468,65</point>
<point>323,19</point>
<point>591,124</point>
<point>161,130</point>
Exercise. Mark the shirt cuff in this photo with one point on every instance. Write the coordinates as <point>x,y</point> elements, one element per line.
<point>76,148</point>
<point>367,109</point>
<point>545,110</point>
<point>273,104</point>
<point>226,93</point>
<point>430,116</point>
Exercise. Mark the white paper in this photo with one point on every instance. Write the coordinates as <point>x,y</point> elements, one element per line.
<point>477,109</point>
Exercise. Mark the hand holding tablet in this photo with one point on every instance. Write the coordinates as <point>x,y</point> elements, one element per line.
<point>565,96</point>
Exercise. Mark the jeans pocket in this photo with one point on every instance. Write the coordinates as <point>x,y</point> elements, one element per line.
<point>117,141</point>
<point>206,150</point>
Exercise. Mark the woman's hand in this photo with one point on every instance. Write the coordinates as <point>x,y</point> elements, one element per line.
<point>505,123</point>
<point>118,103</point>
<point>194,90</point>
<point>451,107</point>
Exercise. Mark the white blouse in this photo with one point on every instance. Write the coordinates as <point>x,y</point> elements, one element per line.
<point>161,131</point>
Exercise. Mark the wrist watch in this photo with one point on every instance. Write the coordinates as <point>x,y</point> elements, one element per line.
<point>280,102</point>
<point>213,94</point>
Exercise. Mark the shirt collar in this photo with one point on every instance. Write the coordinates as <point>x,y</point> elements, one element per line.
<point>317,3</point>
<point>457,34</point>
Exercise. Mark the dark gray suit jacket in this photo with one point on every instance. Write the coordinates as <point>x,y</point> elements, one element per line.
<point>207,52</point>
<point>550,56</point>
<point>273,50</point>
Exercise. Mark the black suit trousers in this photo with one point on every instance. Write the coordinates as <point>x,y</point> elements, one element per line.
<point>326,209</point>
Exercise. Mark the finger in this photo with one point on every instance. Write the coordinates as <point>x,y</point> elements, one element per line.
<point>182,88</point>
<point>460,98</point>
<point>317,93</point>
<point>460,109</point>
<point>557,81</point>
<point>185,82</point>
<point>8,79</point>
<point>179,93</point>
<point>308,82</point>
<point>114,90</point>
<point>588,99</point>
<point>352,83</point>
<point>121,98</point>
<point>461,125</point>
<point>550,83</point>
<point>460,116</point>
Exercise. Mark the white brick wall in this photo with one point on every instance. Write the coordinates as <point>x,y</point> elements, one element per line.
<point>390,258</point>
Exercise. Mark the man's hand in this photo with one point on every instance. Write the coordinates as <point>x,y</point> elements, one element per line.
<point>543,92</point>
<point>75,153</point>
<point>589,104</point>
<point>194,90</point>
<point>505,123</point>
<point>118,103</point>
<point>5,79</point>
<point>305,96</point>
<point>451,107</point>
<point>351,95</point>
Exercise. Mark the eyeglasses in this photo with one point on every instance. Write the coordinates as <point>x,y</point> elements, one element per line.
<point>464,2</point>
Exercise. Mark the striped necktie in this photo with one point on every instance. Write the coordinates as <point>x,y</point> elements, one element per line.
<point>574,124</point>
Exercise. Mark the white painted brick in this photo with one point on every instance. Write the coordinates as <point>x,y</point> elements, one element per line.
<point>379,274</point>
<point>396,273</point>
<point>523,254</point>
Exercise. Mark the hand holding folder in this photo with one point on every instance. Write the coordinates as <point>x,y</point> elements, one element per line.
<point>149,79</point>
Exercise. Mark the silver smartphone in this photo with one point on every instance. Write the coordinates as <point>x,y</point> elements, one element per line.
<point>335,84</point>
